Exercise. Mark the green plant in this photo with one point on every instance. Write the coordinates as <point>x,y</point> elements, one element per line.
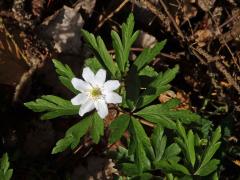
<point>187,157</point>
<point>5,172</point>
<point>133,97</point>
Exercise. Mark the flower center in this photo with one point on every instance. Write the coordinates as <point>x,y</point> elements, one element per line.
<point>95,93</point>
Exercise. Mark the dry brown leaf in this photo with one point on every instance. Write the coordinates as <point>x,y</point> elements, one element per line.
<point>166,96</point>
<point>202,36</point>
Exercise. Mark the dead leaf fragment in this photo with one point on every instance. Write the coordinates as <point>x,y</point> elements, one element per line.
<point>189,11</point>
<point>202,36</point>
<point>206,5</point>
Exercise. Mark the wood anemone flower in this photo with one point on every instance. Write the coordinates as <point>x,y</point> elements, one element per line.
<point>95,92</point>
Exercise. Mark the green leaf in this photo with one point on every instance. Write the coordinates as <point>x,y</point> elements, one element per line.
<point>122,48</point>
<point>106,57</point>
<point>53,106</point>
<point>63,144</point>
<point>4,163</point>
<point>165,114</point>
<point>101,52</point>
<point>171,151</point>
<point>141,159</point>
<point>129,169</point>
<point>161,148</point>
<point>119,51</point>
<point>5,172</point>
<point>73,135</point>
<point>171,167</point>
<point>142,136</point>
<point>212,147</point>
<point>181,131</point>
<point>93,64</point>
<point>148,71</point>
<point>210,152</point>
<point>208,168</point>
<point>157,86</point>
<point>142,145</point>
<point>216,135</point>
<point>65,75</point>
<point>118,127</point>
<point>148,54</point>
<point>132,88</point>
<point>97,129</point>
<point>190,146</point>
<point>158,142</point>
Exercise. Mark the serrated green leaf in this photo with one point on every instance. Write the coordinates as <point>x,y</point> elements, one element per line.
<point>190,146</point>
<point>122,48</point>
<point>65,75</point>
<point>213,146</point>
<point>93,64</point>
<point>208,168</point>
<point>141,135</point>
<point>161,148</point>
<point>165,114</point>
<point>101,52</point>
<point>147,55</point>
<point>53,106</point>
<point>216,135</point>
<point>90,38</point>
<point>140,158</point>
<point>97,129</point>
<point>5,172</point>
<point>148,71</point>
<point>157,86</point>
<point>181,131</point>
<point>118,127</point>
<point>142,145</point>
<point>119,51</point>
<point>171,151</point>
<point>129,169</point>
<point>183,146</point>
<point>106,57</point>
<point>4,163</point>
<point>73,135</point>
<point>171,167</point>
<point>63,144</point>
<point>157,142</point>
<point>210,152</point>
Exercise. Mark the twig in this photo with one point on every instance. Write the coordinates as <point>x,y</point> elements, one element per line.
<point>111,14</point>
<point>165,20</point>
<point>227,75</point>
<point>225,43</point>
<point>172,19</point>
<point>219,66</point>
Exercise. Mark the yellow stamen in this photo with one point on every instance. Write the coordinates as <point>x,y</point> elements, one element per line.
<point>95,92</point>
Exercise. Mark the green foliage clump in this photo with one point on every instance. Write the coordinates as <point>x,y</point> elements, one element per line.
<point>179,147</point>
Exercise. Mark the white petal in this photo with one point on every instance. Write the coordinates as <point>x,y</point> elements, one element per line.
<point>100,77</point>
<point>102,108</point>
<point>79,99</point>
<point>80,85</point>
<point>88,76</point>
<point>112,97</point>
<point>111,85</point>
<point>87,107</point>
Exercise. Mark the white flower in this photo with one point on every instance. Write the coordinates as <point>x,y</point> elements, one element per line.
<point>95,92</point>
